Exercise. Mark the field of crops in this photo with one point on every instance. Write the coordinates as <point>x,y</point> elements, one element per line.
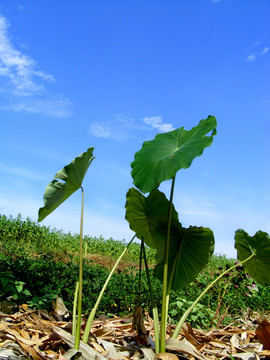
<point>37,264</point>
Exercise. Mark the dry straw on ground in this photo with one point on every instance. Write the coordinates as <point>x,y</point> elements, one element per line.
<point>41,335</point>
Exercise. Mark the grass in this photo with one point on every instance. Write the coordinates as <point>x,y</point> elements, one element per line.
<point>38,263</point>
<point>20,237</point>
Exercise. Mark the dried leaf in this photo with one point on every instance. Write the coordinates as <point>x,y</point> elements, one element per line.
<point>263,333</point>
<point>148,354</point>
<point>190,334</point>
<point>31,351</point>
<point>86,350</point>
<point>22,339</point>
<point>166,356</point>
<point>245,356</point>
<point>72,354</point>
<point>183,346</point>
<point>108,346</point>
<point>138,323</point>
<point>59,307</point>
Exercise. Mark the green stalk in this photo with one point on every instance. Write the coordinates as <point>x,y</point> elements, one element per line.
<point>187,312</point>
<point>140,274</point>
<point>154,305</point>
<point>94,310</point>
<point>79,315</point>
<point>165,290</point>
<point>171,278</point>
<point>74,321</point>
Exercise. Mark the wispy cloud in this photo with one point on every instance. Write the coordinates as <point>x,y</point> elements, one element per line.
<point>54,106</point>
<point>24,84</point>
<point>251,58</point>
<point>156,122</point>
<point>20,172</point>
<point>118,128</point>
<point>101,130</point>
<point>121,127</point>
<point>265,51</point>
<point>256,52</point>
<point>18,68</point>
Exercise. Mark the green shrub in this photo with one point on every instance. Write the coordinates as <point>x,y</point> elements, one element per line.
<point>28,264</point>
<point>20,237</point>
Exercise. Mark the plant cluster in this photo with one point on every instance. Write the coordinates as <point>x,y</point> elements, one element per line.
<point>26,238</point>
<point>41,280</point>
<point>181,253</point>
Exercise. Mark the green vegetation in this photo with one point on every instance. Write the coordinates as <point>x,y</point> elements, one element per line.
<point>35,267</point>
<point>65,183</point>
<point>34,271</point>
<point>24,238</point>
<point>181,252</point>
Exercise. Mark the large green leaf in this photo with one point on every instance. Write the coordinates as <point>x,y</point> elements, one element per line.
<point>258,266</point>
<point>72,177</point>
<point>147,216</point>
<point>190,250</point>
<point>161,158</point>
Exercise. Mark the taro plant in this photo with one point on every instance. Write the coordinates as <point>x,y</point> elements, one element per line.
<point>181,252</point>
<point>253,252</point>
<point>65,183</point>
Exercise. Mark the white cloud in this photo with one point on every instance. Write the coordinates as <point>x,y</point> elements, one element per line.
<point>251,58</point>
<point>265,51</point>
<point>156,123</point>
<point>19,68</point>
<point>121,126</point>
<point>100,130</point>
<point>23,83</point>
<point>118,128</point>
<point>55,106</point>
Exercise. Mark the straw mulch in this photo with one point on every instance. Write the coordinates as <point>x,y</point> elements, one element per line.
<point>39,335</point>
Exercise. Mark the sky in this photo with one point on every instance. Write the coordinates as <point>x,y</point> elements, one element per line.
<point>113,74</point>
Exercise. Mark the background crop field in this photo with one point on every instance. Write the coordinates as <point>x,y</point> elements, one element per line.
<point>37,264</point>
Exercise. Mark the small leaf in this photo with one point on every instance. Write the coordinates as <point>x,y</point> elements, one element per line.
<point>160,159</point>
<point>72,175</point>
<point>258,266</point>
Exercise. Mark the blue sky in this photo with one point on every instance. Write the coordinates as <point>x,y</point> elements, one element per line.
<point>112,74</point>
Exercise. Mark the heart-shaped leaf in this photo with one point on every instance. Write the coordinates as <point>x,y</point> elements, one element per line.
<point>161,158</point>
<point>190,250</point>
<point>72,177</point>
<point>147,216</point>
<point>258,266</point>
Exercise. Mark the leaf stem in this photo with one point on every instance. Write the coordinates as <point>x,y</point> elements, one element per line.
<point>94,310</point>
<point>74,321</point>
<point>187,312</point>
<point>140,274</point>
<point>79,315</point>
<point>154,306</point>
<point>165,289</point>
